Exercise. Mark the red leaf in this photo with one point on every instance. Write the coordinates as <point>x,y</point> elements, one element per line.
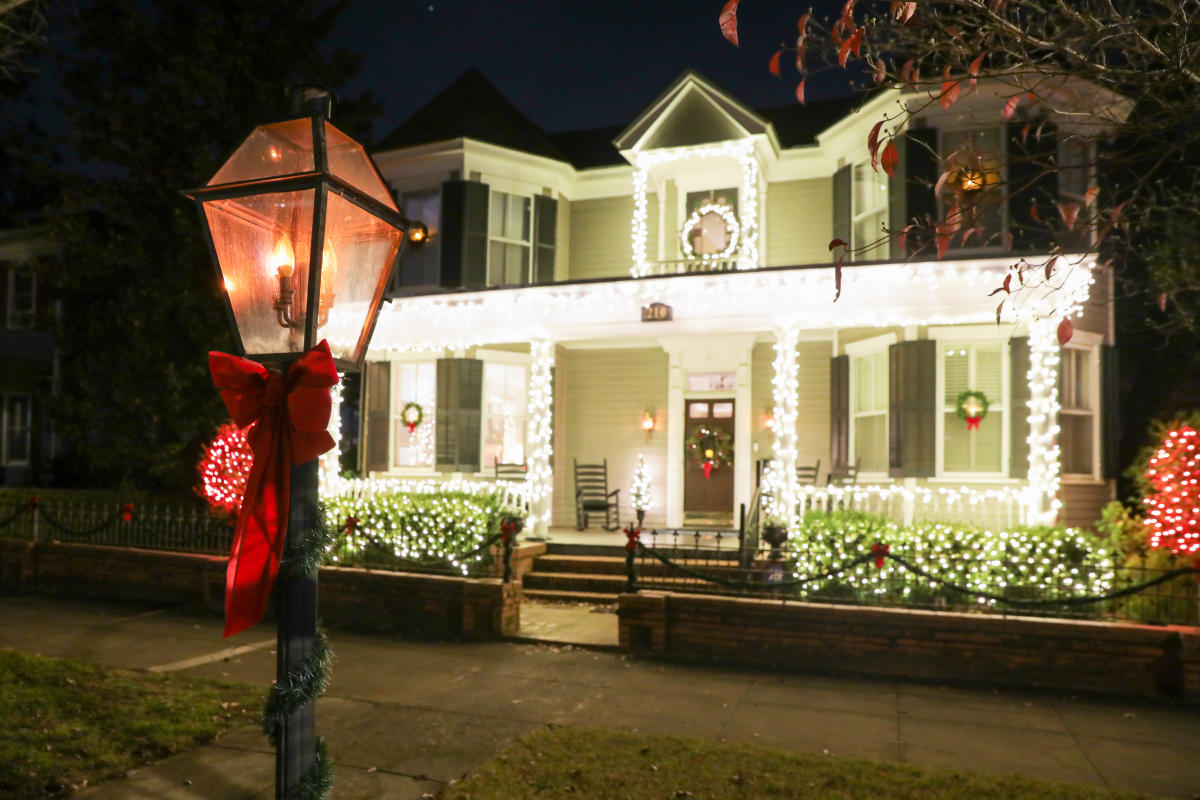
<point>906,72</point>
<point>837,279</point>
<point>890,158</point>
<point>1069,213</point>
<point>802,24</point>
<point>1065,331</point>
<point>1011,106</point>
<point>1162,301</point>
<point>902,240</point>
<point>903,12</point>
<point>1025,134</point>
<point>856,43</point>
<point>1007,283</point>
<point>941,184</point>
<point>801,51</point>
<point>1049,270</point>
<point>848,12</point>
<point>873,140</point>
<point>800,91</point>
<point>880,71</point>
<point>773,64</point>
<point>950,89</point>
<point>729,22</point>
<point>999,308</point>
<point>1089,197</point>
<point>943,236</point>
<point>844,51</point>
<point>973,70</point>
<point>836,243</point>
<point>1033,211</point>
<point>977,232</point>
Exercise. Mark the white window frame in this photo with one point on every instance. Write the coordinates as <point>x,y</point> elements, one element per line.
<point>511,358</point>
<point>859,349</point>
<point>11,310</point>
<point>1089,343</point>
<point>977,248</point>
<point>5,424</point>
<point>527,278</point>
<point>397,406</point>
<point>974,334</point>
<point>857,214</point>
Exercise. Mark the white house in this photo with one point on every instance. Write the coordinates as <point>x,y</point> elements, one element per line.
<point>667,289</point>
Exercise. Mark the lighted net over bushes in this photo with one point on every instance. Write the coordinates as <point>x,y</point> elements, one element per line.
<point>224,468</point>
<point>1173,507</point>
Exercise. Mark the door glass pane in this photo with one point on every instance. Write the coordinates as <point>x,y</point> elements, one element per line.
<point>697,410</point>
<point>722,410</point>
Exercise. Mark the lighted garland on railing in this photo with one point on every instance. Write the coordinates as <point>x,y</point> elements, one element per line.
<point>539,471</point>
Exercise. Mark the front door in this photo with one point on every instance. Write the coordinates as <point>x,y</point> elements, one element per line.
<point>708,439</point>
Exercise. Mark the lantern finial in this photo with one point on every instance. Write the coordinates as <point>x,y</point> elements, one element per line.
<point>311,100</point>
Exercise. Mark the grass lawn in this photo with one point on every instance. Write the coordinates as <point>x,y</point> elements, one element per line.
<point>585,764</point>
<point>64,724</point>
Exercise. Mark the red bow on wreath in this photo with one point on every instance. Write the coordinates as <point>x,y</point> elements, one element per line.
<point>631,538</point>
<point>126,512</point>
<point>292,412</point>
<point>708,466</point>
<point>880,551</point>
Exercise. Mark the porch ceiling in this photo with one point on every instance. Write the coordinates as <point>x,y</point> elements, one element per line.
<point>873,295</point>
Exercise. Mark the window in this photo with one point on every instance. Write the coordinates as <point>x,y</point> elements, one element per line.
<point>869,209</point>
<point>505,393</point>
<point>869,415</point>
<point>973,158</point>
<point>711,234</point>
<point>509,238</point>
<point>415,382</point>
<point>973,367</point>
<point>419,266</point>
<point>17,413</point>
<point>1077,390</point>
<point>22,298</point>
<point>711,381</point>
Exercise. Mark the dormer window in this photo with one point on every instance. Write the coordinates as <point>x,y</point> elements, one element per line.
<point>972,199</point>
<point>509,239</point>
<point>711,222</point>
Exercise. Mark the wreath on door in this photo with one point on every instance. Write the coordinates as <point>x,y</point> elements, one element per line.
<point>710,448</point>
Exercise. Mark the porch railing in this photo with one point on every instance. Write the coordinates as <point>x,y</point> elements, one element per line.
<point>994,507</point>
<point>510,493</point>
<point>684,266</point>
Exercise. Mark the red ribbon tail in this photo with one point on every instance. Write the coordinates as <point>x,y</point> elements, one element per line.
<point>707,469</point>
<point>973,423</point>
<point>412,426</point>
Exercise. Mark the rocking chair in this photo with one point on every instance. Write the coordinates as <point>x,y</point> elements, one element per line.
<point>592,495</point>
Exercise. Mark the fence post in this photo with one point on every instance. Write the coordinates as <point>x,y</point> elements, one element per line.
<point>631,535</point>
<point>507,538</point>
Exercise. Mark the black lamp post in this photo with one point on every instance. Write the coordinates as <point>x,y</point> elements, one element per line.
<point>305,236</point>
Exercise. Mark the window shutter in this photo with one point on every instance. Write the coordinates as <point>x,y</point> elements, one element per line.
<point>459,417</point>
<point>464,234</point>
<point>1018,395</point>
<point>839,411</point>
<point>1110,420</point>
<point>378,405</point>
<point>545,219</point>
<point>911,191</point>
<point>912,409</point>
<point>842,187</point>
<point>1026,160</point>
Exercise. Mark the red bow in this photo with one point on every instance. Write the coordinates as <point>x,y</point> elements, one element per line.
<point>292,412</point>
<point>973,423</point>
<point>631,538</point>
<point>708,466</point>
<point>126,512</point>
<point>351,526</point>
<point>879,551</point>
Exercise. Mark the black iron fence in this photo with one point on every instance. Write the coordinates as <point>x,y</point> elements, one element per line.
<point>700,562</point>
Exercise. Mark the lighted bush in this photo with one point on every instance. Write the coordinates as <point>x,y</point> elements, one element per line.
<point>402,528</point>
<point>1173,501</point>
<point>1017,563</point>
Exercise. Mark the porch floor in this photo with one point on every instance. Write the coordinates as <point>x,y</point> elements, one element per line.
<point>599,536</point>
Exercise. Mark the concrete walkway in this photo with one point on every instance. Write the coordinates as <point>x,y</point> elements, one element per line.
<point>402,718</point>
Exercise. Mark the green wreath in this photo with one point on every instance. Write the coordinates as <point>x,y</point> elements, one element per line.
<point>978,410</point>
<point>411,415</point>
<point>719,442</point>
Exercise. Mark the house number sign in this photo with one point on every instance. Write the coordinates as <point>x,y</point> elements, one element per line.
<point>657,312</point>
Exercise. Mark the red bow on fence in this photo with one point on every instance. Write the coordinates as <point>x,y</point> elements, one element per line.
<point>631,538</point>
<point>880,551</point>
<point>351,526</point>
<point>126,512</point>
<point>292,412</point>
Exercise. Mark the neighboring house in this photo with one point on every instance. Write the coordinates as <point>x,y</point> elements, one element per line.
<point>596,295</point>
<point>27,364</point>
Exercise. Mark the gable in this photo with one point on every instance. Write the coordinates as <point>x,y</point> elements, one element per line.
<point>691,112</point>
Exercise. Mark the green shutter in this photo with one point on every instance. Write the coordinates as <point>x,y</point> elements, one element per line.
<point>378,405</point>
<point>918,154</point>
<point>1110,419</point>
<point>1018,401</point>
<point>839,411</point>
<point>459,417</point>
<point>464,234</point>
<point>912,409</point>
<point>1032,172</point>
<point>545,221</point>
<point>842,187</point>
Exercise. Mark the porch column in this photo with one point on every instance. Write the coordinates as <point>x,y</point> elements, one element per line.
<point>675,425</point>
<point>538,445</point>
<point>1042,501</point>
<point>743,426</point>
<point>783,490</point>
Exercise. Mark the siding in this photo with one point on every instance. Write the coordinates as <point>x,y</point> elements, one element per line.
<point>1096,310</point>
<point>602,396</point>
<point>1082,502</point>
<point>599,237</point>
<point>812,418</point>
<point>799,222</point>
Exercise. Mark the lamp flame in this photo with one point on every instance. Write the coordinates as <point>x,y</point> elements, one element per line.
<point>283,259</point>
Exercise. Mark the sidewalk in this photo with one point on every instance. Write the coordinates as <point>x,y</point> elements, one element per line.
<point>403,717</point>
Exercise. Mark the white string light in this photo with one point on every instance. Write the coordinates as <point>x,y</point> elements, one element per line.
<point>539,465</point>
<point>639,491</point>
<point>732,227</point>
<point>1044,455</point>
<point>780,497</point>
<point>329,473</point>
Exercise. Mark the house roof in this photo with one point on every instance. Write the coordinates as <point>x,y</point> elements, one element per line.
<point>471,107</point>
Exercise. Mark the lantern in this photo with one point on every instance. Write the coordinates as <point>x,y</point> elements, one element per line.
<point>304,235</point>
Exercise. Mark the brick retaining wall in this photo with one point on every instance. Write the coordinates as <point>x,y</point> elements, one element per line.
<point>432,606</point>
<point>1066,654</point>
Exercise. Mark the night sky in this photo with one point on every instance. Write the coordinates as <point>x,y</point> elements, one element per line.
<point>569,63</point>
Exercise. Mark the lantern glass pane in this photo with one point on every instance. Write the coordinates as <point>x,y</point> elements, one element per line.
<point>259,239</point>
<point>350,162</point>
<point>282,148</point>
<point>357,262</point>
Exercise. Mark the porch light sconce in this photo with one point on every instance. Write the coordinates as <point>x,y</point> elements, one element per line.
<point>769,418</point>
<point>648,423</point>
<point>971,179</point>
<point>418,234</point>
